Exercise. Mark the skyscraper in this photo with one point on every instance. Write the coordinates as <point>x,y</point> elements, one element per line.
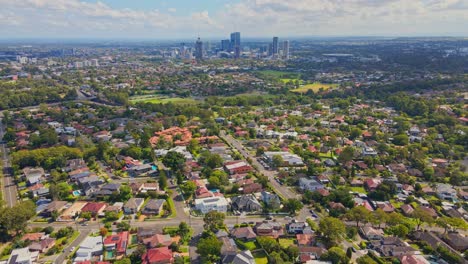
<point>275,46</point>
<point>199,49</point>
<point>235,40</point>
<point>225,43</point>
<point>286,49</point>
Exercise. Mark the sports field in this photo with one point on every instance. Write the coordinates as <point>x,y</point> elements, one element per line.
<point>315,87</point>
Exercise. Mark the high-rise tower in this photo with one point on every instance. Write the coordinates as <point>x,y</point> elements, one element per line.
<point>199,49</point>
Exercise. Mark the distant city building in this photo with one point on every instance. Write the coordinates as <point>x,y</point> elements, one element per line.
<point>270,49</point>
<point>235,40</point>
<point>275,46</point>
<point>286,49</point>
<point>237,52</point>
<point>225,44</point>
<point>199,49</point>
<point>94,63</point>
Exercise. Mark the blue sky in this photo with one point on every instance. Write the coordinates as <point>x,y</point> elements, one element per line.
<point>215,19</point>
<point>182,7</point>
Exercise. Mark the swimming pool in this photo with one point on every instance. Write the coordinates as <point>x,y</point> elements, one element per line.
<point>77,193</point>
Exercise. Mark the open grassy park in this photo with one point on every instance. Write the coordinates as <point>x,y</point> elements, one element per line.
<point>158,99</point>
<point>315,87</point>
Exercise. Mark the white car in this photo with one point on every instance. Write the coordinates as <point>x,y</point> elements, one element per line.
<point>71,249</point>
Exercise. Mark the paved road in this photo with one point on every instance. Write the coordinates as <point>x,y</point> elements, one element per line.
<point>62,257</point>
<point>9,191</point>
<point>282,190</point>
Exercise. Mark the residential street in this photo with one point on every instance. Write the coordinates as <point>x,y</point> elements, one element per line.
<point>8,186</point>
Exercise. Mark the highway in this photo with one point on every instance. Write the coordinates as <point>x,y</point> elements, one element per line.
<point>8,187</point>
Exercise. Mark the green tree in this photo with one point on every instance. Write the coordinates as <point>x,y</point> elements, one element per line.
<point>346,154</point>
<point>401,140</point>
<point>399,230</point>
<point>15,218</point>
<point>125,193</point>
<point>209,249</point>
<point>332,229</point>
<point>214,220</point>
<point>174,160</point>
<point>277,161</point>
<point>379,217</point>
<point>365,260</point>
<point>162,181</point>
<point>357,214</point>
<point>336,255</point>
<point>188,188</point>
<point>123,261</point>
<point>269,244</point>
<point>293,205</point>
<point>421,216</point>
<point>451,222</point>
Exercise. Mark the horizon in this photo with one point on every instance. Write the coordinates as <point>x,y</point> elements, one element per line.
<point>215,19</point>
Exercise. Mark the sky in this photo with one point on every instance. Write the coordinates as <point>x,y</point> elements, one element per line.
<point>215,19</point>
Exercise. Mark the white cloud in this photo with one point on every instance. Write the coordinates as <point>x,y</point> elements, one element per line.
<point>76,18</point>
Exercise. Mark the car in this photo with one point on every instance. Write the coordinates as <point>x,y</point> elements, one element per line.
<point>71,249</point>
<point>353,249</point>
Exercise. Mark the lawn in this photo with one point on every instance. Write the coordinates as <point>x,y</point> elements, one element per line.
<point>315,87</point>
<point>250,245</point>
<point>162,100</point>
<point>287,80</point>
<point>260,257</point>
<point>286,242</point>
<point>358,189</point>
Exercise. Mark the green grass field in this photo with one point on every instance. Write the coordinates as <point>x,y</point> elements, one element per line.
<point>286,242</point>
<point>287,80</point>
<point>260,257</point>
<point>315,87</point>
<point>162,100</point>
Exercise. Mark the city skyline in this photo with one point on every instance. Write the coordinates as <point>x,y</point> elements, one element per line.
<point>212,19</point>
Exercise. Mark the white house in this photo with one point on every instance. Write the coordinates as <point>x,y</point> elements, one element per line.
<point>89,248</point>
<point>446,191</point>
<point>310,184</point>
<point>23,256</point>
<point>206,205</point>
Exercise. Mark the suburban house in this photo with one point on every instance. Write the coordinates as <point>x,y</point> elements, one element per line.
<point>307,184</point>
<point>272,200</point>
<point>269,228</point>
<point>371,233</point>
<point>117,242</point>
<point>243,257</point>
<point>157,240</point>
<point>94,208</point>
<point>246,203</point>
<point>23,256</point>
<point>457,241</point>
<point>244,233</point>
<point>205,205</point>
<point>289,159</point>
<point>237,167</point>
<point>33,175</point>
<point>446,191</point>
<point>133,205</point>
<point>71,212</point>
<point>162,255</point>
<point>89,248</point>
<point>298,228</point>
<point>43,245</point>
<point>54,206</point>
<point>153,207</point>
